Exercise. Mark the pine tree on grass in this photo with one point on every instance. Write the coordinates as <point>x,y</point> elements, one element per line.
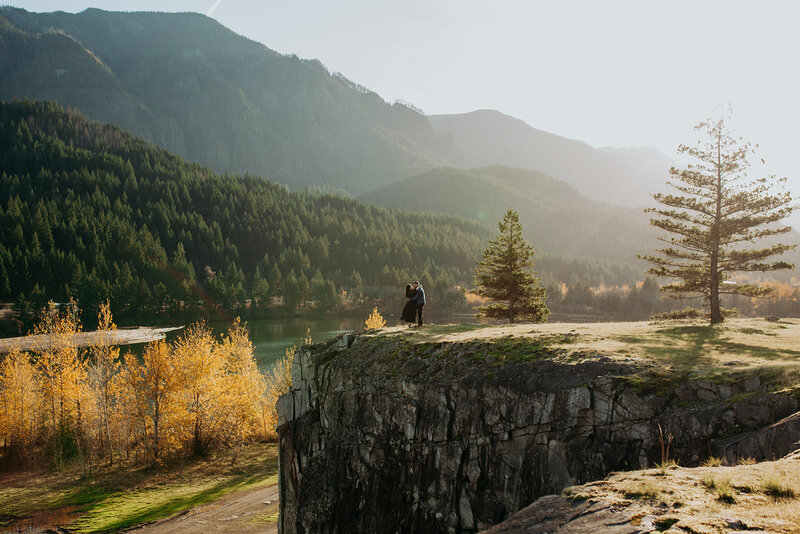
<point>506,277</point>
<point>719,211</point>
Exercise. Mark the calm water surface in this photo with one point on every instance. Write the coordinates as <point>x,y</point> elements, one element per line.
<point>271,337</point>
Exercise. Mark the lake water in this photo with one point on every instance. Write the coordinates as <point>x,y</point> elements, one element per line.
<point>271,337</point>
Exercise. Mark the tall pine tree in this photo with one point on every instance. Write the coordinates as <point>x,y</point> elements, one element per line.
<point>719,211</point>
<point>506,277</point>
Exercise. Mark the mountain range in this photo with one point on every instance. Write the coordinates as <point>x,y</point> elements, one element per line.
<point>199,90</point>
<point>556,217</point>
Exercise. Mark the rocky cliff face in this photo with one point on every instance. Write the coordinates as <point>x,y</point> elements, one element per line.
<point>382,434</point>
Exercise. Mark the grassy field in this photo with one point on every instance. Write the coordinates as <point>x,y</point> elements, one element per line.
<point>115,499</point>
<point>667,351</point>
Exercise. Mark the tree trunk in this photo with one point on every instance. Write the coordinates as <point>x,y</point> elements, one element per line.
<point>713,297</point>
<point>716,315</point>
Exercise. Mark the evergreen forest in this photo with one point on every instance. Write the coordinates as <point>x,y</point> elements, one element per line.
<point>90,212</point>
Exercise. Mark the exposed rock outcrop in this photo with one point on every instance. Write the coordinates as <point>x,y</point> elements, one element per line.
<point>380,434</point>
<point>554,513</point>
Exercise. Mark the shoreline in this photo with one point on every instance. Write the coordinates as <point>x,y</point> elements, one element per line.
<point>119,337</point>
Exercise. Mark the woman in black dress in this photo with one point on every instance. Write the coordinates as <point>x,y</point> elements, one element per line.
<point>410,309</point>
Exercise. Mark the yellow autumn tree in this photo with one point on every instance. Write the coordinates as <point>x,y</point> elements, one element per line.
<point>19,407</point>
<point>244,388</point>
<point>103,369</point>
<point>150,392</point>
<point>197,394</point>
<point>198,380</point>
<point>62,379</point>
<point>375,320</point>
<point>278,382</point>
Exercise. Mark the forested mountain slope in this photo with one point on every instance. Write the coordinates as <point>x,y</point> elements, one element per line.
<point>90,211</point>
<point>194,87</point>
<point>199,90</point>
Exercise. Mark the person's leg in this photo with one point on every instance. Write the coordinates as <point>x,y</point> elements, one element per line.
<point>419,314</point>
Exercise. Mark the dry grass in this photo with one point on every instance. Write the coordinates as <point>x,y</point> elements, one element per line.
<point>722,486</point>
<point>763,496</point>
<point>713,461</point>
<point>669,349</point>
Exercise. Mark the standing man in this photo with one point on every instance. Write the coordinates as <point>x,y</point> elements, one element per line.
<point>420,299</point>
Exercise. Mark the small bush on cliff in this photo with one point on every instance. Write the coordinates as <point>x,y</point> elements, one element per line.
<point>375,320</point>
<point>777,489</point>
<point>722,485</point>
<point>713,461</point>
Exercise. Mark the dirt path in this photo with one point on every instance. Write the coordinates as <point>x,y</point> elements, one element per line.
<point>244,512</point>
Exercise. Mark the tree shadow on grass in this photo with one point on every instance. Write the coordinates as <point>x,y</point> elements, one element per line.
<point>692,346</point>
<point>683,346</point>
<point>93,521</point>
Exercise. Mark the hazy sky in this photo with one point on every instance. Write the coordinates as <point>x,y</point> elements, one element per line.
<point>611,73</point>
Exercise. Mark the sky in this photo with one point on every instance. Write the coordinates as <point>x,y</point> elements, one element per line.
<point>611,73</point>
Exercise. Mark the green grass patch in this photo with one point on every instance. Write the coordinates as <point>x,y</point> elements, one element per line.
<point>447,329</point>
<point>125,509</point>
<point>527,349</point>
<point>123,496</point>
<point>657,381</point>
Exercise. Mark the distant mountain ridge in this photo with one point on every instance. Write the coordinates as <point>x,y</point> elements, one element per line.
<point>626,176</point>
<point>556,218</point>
<point>198,89</point>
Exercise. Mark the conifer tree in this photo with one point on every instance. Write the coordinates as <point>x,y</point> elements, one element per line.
<point>260,290</point>
<point>506,277</point>
<point>718,211</point>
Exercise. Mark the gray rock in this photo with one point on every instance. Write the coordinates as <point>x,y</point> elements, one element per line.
<point>553,514</point>
<point>452,444</point>
<point>413,367</point>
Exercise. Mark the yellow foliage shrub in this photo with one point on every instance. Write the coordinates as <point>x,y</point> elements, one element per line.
<point>375,320</point>
<point>196,394</point>
<point>19,405</point>
<point>278,382</point>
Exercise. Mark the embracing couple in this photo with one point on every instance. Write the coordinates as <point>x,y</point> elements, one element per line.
<point>412,312</point>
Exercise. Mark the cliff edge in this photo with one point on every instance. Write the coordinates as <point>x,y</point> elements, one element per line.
<point>456,428</point>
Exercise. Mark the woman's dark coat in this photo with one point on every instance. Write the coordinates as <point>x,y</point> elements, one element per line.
<point>410,309</point>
